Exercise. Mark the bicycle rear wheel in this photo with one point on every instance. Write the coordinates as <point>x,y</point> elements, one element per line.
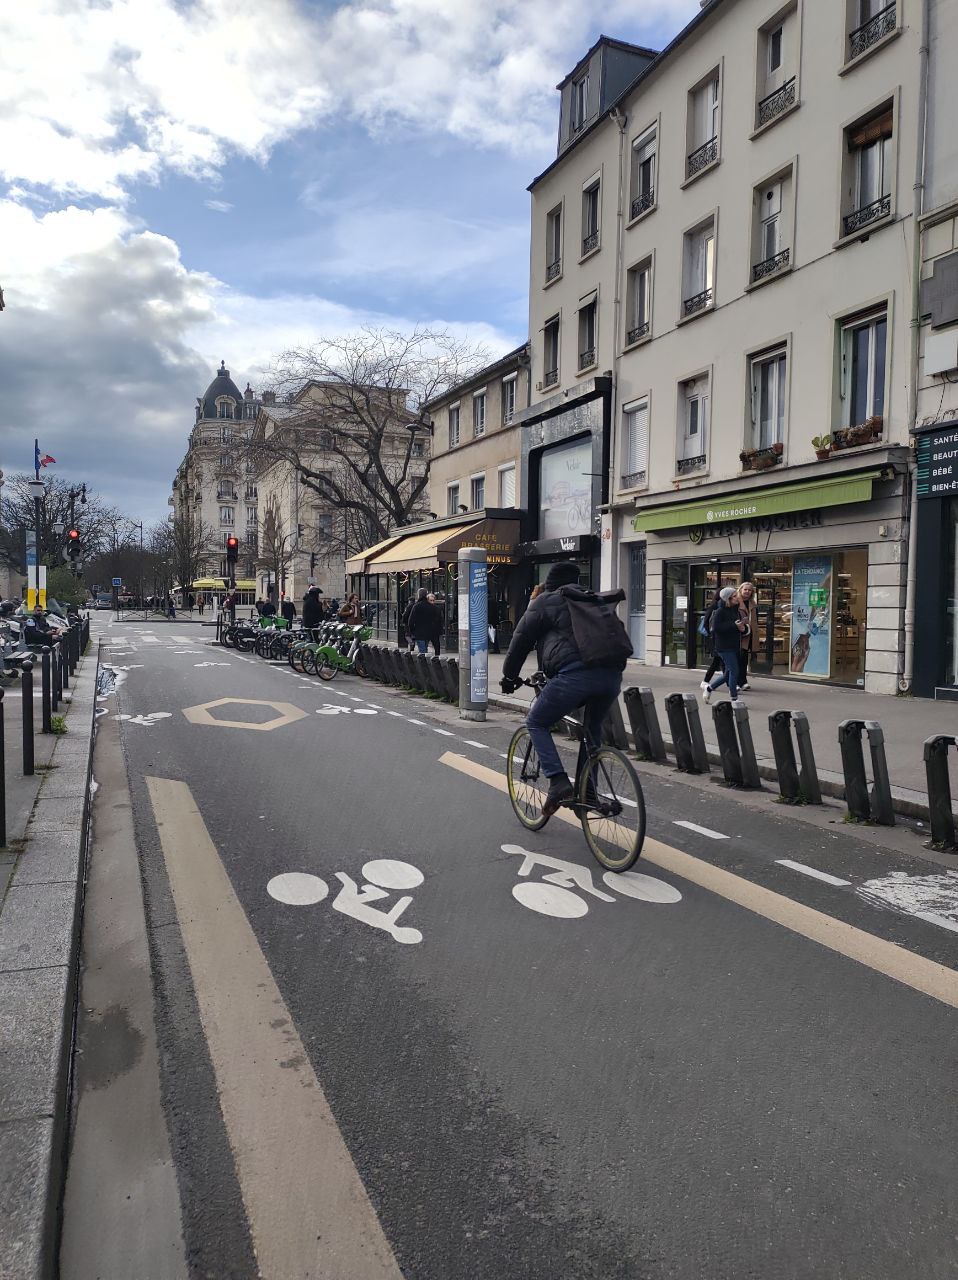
<point>611,808</point>
<point>527,787</point>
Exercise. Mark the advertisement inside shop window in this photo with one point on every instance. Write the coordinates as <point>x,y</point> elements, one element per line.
<point>565,490</point>
<point>811,638</point>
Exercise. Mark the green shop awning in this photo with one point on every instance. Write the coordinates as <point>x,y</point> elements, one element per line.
<point>832,492</point>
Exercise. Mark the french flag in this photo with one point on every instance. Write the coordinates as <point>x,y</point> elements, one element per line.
<point>41,459</point>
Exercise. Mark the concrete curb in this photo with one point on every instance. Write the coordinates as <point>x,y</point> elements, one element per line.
<point>39,964</point>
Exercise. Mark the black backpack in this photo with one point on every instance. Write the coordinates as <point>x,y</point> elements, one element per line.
<point>597,629</point>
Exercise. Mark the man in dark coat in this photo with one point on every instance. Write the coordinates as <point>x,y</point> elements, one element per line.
<point>288,610</point>
<point>424,622</point>
<point>547,626</point>
<point>312,608</point>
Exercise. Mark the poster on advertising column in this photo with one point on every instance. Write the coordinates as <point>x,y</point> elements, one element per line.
<point>811,638</point>
<point>478,632</point>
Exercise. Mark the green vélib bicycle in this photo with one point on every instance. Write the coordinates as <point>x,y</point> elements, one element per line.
<point>340,653</point>
<point>607,800</point>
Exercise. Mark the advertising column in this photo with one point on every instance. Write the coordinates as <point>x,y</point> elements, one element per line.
<point>473,633</point>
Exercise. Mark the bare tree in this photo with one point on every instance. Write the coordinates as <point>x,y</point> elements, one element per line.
<point>94,520</point>
<point>353,424</point>
<point>275,544</point>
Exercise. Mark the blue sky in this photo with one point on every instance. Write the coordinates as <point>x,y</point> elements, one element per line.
<point>182,182</point>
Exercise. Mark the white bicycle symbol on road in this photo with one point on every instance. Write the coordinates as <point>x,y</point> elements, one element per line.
<point>554,894</point>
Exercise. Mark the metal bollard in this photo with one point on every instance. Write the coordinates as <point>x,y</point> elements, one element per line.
<point>3,780</point>
<point>780,728</point>
<point>808,772</point>
<point>939,790</point>
<point>644,722</point>
<point>65,671</point>
<point>26,693</point>
<point>56,691</point>
<point>699,753</point>
<point>883,811</point>
<point>853,768</point>
<point>613,728</point>
<point>71,649</point>
<point>723,714</point>
<point>750,774</point>
<point>452,678</point>
<point>45,708</point>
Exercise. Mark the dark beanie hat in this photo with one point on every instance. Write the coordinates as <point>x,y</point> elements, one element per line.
<point>561,574</point>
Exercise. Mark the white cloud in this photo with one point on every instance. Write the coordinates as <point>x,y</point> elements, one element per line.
<point>218,206</point>
<point>102,93</point>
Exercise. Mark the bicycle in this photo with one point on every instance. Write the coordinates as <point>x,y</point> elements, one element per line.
<point>608,797</point>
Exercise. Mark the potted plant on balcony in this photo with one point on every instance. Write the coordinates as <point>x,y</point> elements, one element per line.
<point>840,438</point>
<point>822,446</point>
<point>779,447</point>
<point>765,459</point>
<point>746,457</point>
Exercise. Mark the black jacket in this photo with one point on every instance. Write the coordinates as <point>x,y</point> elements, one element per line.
<point>312,609</point>
<point>726,633</point>
<point>547,626</point>
<point>425,621</point>
<point>288,610</point>
<point>268,610</point>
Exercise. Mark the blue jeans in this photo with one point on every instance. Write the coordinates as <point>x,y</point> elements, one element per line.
<point>596,687</point>
<point>730,658</point>
<point>422,645</point>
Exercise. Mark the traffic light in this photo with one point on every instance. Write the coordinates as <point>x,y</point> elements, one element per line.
<point>232,549</point>
<point>73,550</point>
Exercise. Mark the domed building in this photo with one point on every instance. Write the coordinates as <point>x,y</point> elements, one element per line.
<point>217,485</point>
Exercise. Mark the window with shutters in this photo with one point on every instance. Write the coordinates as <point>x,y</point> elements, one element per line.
<point>507,486</point>
<point>642,173</point>
<point>868,173</point>
<point>773,220</point>
<point>638,303</point>
<point>635,444</point>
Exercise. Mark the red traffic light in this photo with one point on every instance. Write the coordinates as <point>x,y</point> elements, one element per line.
<point>232,542</point>
<point>74,535</point>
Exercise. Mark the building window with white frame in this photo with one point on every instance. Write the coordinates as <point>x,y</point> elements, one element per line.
<point>226,515</point>
<point>507,486</point>
<point>251,516</point>
<point>554,243</point>
<point>590,217</point>
<point>772,229</point>
<point>870,21</point>
<point>864,344</point>
<point>703,126</point>
<point>479,414</point>
<point>768,382</point>
<point>579,103</point>
<point>509,398</point>
<point>550,352</point>
<point>868,171</point>
<point>698,292</point>
<point>635,441</point>
<point>694,415</point>
<point>477,492</point>
<point>453,426</point>
<point>638,302</point>
<point>588,322</point>
<point>777,72</point>
<point>642,177</point>
<point>224,408</point>
<point>452,499</point>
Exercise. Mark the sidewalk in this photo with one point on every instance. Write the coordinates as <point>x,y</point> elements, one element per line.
<point>41,893</point>
<point>906,722</point>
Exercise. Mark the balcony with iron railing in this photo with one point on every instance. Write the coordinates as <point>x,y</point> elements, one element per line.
<point>869,213</point>
<point>697,303</point>
<point>771,266</point>
<point>590,242</point>
<point>637,334</point>
<point>777,103</point>
<point>642,203</point>
<point>553,270</point>
<point>634,480</point>
<point>587,358</point>
<point>869,33</point>
<point>702,157</point>
<point>684,466</point>
<point>550,377</point>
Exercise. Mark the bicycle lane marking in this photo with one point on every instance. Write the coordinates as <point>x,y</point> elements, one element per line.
<point>897,963</point>
<point>308,1210</point>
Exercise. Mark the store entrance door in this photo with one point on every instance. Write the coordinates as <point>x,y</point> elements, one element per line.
<point>689,591</point>
<point>706,580</point>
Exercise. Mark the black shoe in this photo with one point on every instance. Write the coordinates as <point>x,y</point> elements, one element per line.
<point>560,791</point>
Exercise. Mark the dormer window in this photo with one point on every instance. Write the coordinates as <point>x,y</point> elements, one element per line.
<point>224,407</point>
<point>579,110</point>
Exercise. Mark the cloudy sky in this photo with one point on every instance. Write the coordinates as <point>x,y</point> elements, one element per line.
<point>184,181</point>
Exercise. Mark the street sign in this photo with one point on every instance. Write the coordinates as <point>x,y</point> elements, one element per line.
<point>938,464</point>
<point>117,582</point>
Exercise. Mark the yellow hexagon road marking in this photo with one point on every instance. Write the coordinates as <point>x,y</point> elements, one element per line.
<point>286,713</point>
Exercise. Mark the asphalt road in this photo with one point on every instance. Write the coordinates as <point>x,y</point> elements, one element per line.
<point>375,1060</point>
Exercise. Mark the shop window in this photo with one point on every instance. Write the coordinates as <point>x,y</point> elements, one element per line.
<point>864,343</point>
<point>693,426</point>
<point>868,171</point>
<point>565,489</point>
<point>767,398</point>
<point>642,174</point>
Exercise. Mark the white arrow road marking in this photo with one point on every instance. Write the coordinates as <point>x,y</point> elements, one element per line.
<point>308,1211</point>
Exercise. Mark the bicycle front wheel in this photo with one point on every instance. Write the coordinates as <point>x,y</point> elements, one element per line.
<point>612,809</point>
<point>527,788</point>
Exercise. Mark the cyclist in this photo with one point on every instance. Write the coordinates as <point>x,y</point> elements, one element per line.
<point>592,678</point>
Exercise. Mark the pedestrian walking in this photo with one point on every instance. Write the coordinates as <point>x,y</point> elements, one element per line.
<point>229,606</point>
<point>728,629</point>
<point>288,610</point>
<point>404,623</point>
<point>312,608</point>
<point>268,610</point>
<point>201,603</point>
<point>425,620</point>
<point>705,630</point>
<point>170,607</point>
<point>436,637</point>
<point>352,610</point>
<point>748,610</point>
<point>191,602</point>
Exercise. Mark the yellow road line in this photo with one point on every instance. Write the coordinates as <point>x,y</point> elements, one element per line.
<point>904,966</point>
<point>308,1210</point>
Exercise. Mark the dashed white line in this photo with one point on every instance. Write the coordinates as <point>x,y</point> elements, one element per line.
<point>398,714</point>
<point>481,745</point>
<point>419,722</point>
<point>811,871</point>
<point>933,917</point>
<point>445,732</point>
<point>702,831</point>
